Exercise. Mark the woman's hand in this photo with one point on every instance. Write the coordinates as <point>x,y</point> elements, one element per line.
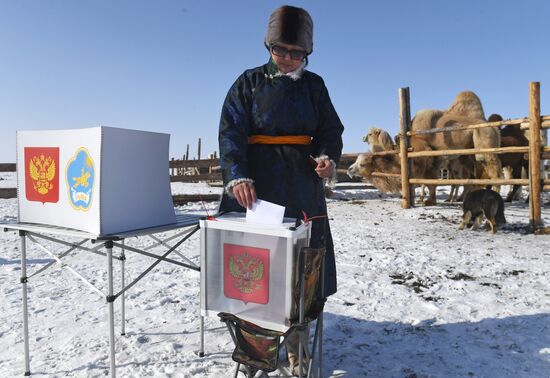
<point>325,168</point>
<point>245,194</point>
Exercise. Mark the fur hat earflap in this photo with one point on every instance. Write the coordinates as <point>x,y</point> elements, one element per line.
<point>290,25</point>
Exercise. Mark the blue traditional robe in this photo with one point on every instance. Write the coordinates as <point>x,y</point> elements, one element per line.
<point>261,102</point>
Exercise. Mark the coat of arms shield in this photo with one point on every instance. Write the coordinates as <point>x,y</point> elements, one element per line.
<point>42,174</point>
<point>246,273</point>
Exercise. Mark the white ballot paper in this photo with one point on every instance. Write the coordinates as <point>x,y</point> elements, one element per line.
<point>265,212</point>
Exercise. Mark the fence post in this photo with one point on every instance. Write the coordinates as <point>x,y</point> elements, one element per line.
<point>534,156</point>
<point>181,169</point>
<point>404,120</point>
<point>199,150</point>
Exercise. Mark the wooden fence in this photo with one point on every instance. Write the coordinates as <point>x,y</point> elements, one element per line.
<point>201,170</point>
<point>7,192</point>
<point>9,167</point>
<point>535,122</point>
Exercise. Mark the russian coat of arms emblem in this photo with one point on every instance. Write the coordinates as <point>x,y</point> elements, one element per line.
<point>42,174</point>
<point>246,273</point>
<point>80,178</point>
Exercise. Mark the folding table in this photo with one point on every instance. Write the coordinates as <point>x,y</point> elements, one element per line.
<point>185,226</point>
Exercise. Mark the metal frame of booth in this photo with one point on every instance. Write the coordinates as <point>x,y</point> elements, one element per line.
<point>186,225</point>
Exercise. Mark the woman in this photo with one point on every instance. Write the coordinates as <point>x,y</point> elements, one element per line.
<point>273,119</point>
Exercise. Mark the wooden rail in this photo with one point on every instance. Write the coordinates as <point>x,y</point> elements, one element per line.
<point>424,181</point>
<point>6,193</point>
<point>202,163</point>
<point>420,181</point>
<point>545,123</point>
<point>7,167</point>
<point>470,151</point>
<point>523,122</point>
<point>384,174</point>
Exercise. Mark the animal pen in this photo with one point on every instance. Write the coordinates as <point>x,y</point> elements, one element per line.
<point>536,152</point>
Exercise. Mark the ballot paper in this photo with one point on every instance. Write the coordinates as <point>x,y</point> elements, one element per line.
<point>265,212</point>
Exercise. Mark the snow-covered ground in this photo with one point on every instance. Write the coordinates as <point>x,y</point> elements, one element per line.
<point>416,298</point>
<point>8,180</point>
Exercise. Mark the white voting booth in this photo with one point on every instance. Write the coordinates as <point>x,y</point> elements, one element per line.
<point>101,180</point>
<point>248,269</point>
<point>100,186</point>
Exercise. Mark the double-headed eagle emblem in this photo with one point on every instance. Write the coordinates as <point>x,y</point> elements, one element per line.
<point>246,271</point>
<point>42,172</point>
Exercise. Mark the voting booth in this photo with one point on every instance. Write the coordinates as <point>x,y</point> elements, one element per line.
<point>249,269</point>
<point>93,191</point>
<point>101,180</point>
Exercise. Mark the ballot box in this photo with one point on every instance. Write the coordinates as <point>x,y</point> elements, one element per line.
<point>102,180</point>
<point>249,269</point>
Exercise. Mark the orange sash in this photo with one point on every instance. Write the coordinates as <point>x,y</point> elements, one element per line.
<point>284,139</point>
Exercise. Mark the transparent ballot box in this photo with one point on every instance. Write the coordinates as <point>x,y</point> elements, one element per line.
<point>249,269</point>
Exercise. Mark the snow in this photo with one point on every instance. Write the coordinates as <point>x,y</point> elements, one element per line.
<point>195,188</point>
<point>416,298</point>
<point>8,180</point>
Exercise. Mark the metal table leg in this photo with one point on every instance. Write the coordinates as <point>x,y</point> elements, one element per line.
<point>201,352</point>
<point>303,342</point>
<point>25,308</point>
<point>110,303</point>
<point>122,297</point>
<point>320,320</point>
<point>320,358</point>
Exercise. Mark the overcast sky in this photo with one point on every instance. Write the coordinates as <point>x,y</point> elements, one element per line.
<point>167,65</point>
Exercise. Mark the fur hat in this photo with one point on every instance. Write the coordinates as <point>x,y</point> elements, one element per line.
<point>292,26</point>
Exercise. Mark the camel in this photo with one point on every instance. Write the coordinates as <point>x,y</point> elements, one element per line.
<point>368,163</point>
<point>397,139</point>
<point>379,140</point>
<point>465,110</point>
<point>543,136</point>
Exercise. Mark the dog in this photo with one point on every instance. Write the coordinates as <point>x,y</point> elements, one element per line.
<point>479,203</point>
